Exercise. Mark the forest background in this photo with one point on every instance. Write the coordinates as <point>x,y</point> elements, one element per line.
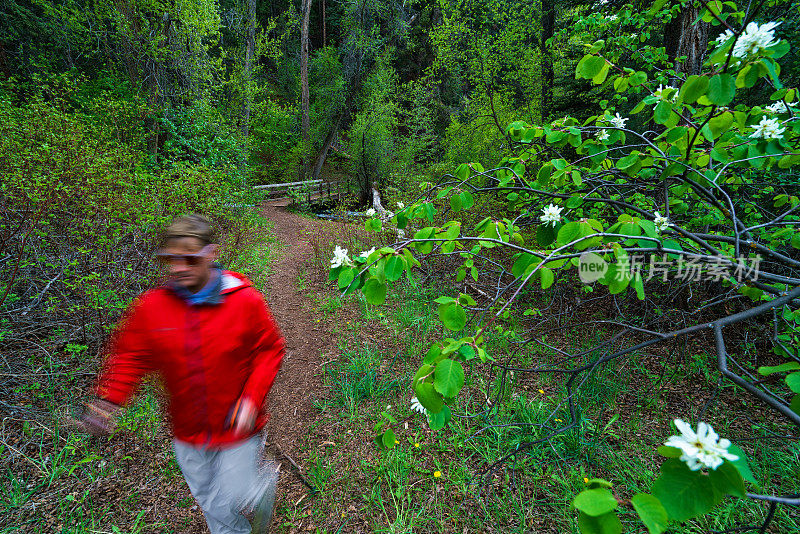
<point>117,116</point>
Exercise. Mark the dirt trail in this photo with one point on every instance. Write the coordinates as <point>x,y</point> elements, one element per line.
<point>299,381</point>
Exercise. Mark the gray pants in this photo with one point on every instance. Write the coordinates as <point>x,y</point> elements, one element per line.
<point>226,482</point>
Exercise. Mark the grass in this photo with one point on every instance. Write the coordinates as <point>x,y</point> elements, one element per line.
<point>624,412</point>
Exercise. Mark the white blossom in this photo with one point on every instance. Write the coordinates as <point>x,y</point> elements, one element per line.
<point>724,36</point>
<point>370,212</point>
<point>662,223</point>
<point>602,135</point>
<point>702,448</point>
<point>660,93</point>
<point>767,129</point>
<point>755,38</point>
<point>417,406</point>
<point>551,214</point>
<point>780,107</point>
<point>401,234</point>
<point>400,205</point>
<point>617,121</point>
<point>367,253</point>
<point>612,18</point>
<point>340,257</point>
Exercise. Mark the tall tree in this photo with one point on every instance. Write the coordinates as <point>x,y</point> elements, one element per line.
<point>305,104</point>
<point>548,26</point>
<point>249,52</point>
<point>686,36</point>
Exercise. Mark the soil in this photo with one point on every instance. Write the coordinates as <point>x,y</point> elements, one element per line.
<point>299,382</point>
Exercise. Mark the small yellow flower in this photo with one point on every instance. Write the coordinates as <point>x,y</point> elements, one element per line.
<point>585,480</point>
<point>343,514</point>
<point>396,442</point>
<point>541,391</point>
<point>437,474</point>
<point>559,420</point>
<point>416,445</point>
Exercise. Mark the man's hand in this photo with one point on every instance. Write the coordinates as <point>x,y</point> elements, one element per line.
<point>98,417</point>
<point>243,415</point>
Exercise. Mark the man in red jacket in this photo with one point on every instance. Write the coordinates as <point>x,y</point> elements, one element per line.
<point>212,338</point>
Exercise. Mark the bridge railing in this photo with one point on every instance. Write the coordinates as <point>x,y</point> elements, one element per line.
<point>310,189</point>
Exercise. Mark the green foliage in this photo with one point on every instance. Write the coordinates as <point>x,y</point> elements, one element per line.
<point>714,170</point>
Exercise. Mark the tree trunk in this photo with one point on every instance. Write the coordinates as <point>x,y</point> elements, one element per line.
<point>249,52</point>
<point>683,38</point>
<point>324,27</point>
<point>548,25</point>
<point>355,87</point>
<point>305,105</point>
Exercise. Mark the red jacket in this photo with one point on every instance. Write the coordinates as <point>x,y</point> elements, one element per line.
<point>208,355</point>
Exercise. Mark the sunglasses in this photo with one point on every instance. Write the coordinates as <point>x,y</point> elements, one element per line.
<point>191,260</point>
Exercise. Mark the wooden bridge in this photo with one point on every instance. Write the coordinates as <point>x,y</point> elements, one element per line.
<point>308,190</point>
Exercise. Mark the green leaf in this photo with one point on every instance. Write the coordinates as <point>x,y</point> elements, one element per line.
<point>439,420</point>
<point>374,291</point>
<point>694,88</point>
<point>651,512</point>
<point>467,200</point>
<point>546,235</point>
<point>604,524</point>
<point>462,172</point>
<point>720,124</point>
<point>453,316</point>
<point>669,452</point>
<point>522,263</point>
<point>683,493</point>
<point>591,66</point>
<point>721,89</point>
<point>793,381</point>
<point>569,233</point>
<point>449,377</point>
<point>662,112</point>
<point>595,502</point>
<point>394,268</point>
<point>598,483</point>
<point>431,357</point>
<point>389,439</point>
<point>782,368</point>
<point>727,479</point>
<point>546,276</point>
<point>455,202</point>
<point>429,398</point>
<point>345,277</point>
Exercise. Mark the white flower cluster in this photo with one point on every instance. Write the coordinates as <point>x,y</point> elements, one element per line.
<point>617,121</point>
<point>370,212</point>
<point>340,257</point>
<point>417,406</point>
<point>780,107</point>
<point>660,93</point>
<point>662,223</point>
<point>551,214</point>
<point>366,254</point>
<point>602,135</point>
<point>702,448</point>
<point>767,129</point>
<point>400,205</point>
<point>755,38</point>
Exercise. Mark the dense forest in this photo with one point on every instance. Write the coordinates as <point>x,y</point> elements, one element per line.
<point>577,308</point>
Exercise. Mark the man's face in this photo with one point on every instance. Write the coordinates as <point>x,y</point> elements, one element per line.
<point>188,261</point>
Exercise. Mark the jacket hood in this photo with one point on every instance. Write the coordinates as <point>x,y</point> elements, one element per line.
<point>233,281</point>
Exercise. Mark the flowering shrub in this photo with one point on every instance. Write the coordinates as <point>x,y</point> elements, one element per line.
<point>700,471</point>
<point>694,187</point>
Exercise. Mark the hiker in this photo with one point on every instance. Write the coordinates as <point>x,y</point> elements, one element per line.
<point>212,338</point>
